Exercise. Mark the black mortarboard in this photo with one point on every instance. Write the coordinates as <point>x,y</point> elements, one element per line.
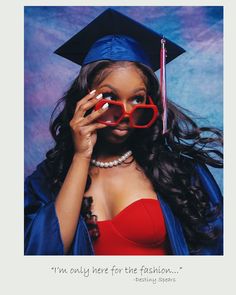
<point>114,36</point>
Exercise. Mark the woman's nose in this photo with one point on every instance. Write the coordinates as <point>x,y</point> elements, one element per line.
<point>127,108</point>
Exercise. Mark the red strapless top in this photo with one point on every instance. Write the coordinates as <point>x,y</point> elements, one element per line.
<point>139,229</point>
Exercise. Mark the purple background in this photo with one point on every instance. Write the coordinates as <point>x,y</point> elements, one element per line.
<point>195,79</point>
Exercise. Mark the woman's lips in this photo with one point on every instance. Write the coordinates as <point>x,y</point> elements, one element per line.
<point>120,131</point>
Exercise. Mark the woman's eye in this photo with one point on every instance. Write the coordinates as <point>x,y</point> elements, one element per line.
<point>108,96</point>
<point>138,100</point>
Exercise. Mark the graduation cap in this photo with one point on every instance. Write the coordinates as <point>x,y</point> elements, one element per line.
<point>114,36</point>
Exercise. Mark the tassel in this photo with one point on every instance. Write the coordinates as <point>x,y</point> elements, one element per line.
<point>163,84</point>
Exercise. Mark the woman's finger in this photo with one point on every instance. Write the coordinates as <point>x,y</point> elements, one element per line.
<point>86,98</point>
<point>82,108</point>
<point>85,130</point>
<point>94,115</point>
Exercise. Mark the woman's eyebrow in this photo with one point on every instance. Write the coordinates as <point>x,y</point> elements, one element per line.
<point>109,86</point>
<point>140,89</point>
<point>116,90</point>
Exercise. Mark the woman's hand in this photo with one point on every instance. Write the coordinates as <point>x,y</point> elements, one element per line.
<point>84,128</point>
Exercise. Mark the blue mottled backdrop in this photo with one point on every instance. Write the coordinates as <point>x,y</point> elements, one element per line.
<point>195,79</point>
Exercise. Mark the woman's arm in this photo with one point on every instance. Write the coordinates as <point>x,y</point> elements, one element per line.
<point>69,199</point>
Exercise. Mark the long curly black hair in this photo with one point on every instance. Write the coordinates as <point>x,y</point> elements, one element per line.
<point>168,160</point>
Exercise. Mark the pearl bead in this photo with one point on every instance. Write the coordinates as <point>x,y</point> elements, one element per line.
<point>112,163</point>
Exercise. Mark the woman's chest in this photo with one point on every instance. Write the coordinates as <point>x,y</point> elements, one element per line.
<point>115,189</point>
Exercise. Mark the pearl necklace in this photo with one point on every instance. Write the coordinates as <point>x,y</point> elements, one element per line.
<point>112,163</point>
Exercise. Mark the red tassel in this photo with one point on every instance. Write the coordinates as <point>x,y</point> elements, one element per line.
<point>163,84</point>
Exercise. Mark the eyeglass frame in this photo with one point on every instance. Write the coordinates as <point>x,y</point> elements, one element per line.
<point>132,125</point>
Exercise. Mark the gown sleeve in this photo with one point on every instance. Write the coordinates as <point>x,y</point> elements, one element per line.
<point>42,231</point>
<point>216,199</point>
<point>178,243</point>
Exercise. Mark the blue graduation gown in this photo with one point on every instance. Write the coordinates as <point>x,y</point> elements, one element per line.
<point>42,233</point>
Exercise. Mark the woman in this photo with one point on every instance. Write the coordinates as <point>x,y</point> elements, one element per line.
<point>127,175</point>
